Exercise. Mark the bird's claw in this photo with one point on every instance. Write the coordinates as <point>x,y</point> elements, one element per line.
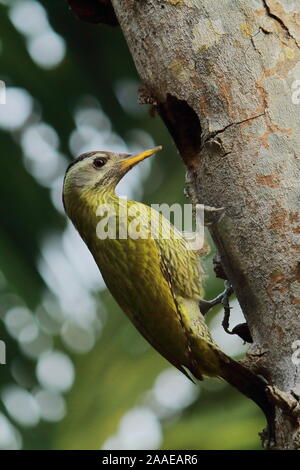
<point>223,299</point>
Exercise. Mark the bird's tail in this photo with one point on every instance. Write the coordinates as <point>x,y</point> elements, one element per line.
<point>211,361</point>
<point>251,385</point>
<point>207,359</point>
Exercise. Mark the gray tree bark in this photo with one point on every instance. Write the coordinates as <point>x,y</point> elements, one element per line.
<point>223,77</point>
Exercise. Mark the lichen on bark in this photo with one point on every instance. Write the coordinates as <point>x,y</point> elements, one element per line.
<point>222,73</point>
<point>222,77</point>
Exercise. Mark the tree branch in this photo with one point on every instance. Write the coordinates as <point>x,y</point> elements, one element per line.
<point>220,74</point>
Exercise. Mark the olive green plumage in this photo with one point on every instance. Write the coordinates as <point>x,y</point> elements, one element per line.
<point>156,281</point>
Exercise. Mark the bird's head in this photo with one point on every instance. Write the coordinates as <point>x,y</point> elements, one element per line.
<point>100,170</point>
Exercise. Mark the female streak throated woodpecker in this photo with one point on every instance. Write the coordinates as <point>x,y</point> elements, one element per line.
<point>157,281</point>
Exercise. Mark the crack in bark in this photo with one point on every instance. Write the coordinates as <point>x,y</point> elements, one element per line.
<point>257,354</point>
<point>212,135</point>
<point>253,44</point>
<point>280,21</point>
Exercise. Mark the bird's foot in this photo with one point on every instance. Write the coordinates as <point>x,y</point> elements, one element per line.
<point>242,329</point>
<point>206,305</point>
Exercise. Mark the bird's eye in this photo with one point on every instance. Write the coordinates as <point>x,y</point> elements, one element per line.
<point>99,162</point>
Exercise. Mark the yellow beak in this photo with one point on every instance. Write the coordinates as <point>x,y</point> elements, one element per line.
<point>131,161</point>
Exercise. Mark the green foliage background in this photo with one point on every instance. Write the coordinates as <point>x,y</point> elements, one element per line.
<point>119,372</point>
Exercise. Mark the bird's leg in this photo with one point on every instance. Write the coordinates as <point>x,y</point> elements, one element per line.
<point>242,329</point>
<point>225,301</point>
<point>206,305</point>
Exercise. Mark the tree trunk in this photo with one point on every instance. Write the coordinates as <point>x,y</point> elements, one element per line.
<point>223,77</point>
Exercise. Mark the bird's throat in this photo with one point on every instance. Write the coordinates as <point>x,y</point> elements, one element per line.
<point>86,207</point>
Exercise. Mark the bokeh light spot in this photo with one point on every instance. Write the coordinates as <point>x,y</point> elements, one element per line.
<point>17,109</point>
<point>55,371</point>
<point>47,49</point>
<point>21,405</point>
